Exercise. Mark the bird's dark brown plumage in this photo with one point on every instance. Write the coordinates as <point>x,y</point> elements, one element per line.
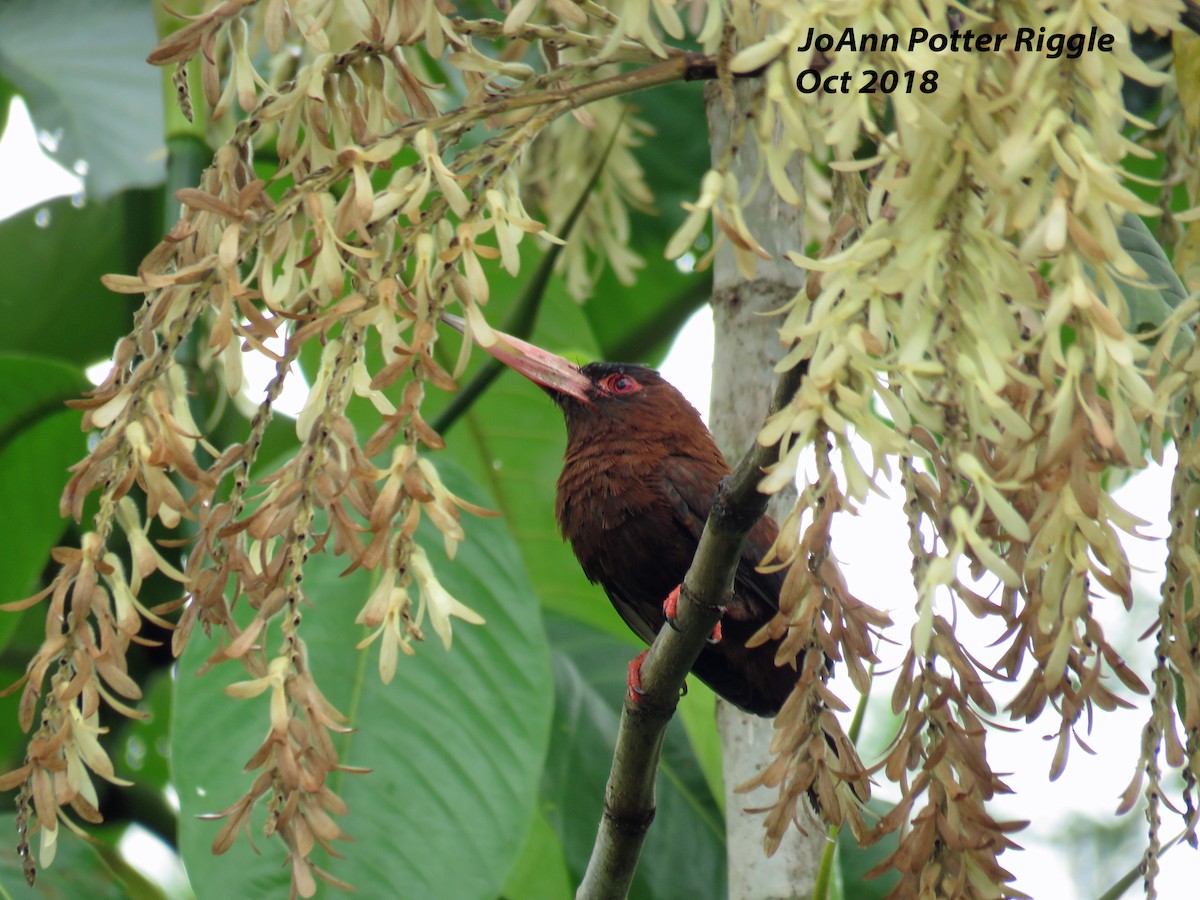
<point>640,475</point>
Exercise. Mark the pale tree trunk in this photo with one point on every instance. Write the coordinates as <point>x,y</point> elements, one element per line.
<point>747,346</point>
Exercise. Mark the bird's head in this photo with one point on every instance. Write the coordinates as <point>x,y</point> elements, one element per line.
<point>601,398</point>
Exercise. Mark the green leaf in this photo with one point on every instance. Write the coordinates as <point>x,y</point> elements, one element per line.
<point>1149,304</point>
<point>854,861</point>
<point>143,747</point>
<point>81,67</point>
<point>12,738</point>
<point>32,389</point>
<point>39,439</point>
<point>51,299</point>
<point>6,95</point>
<point>541,872</point>
<point>684,854</point>
<point>78,871</point>
<point>455,743</point>
<point>698,713</point>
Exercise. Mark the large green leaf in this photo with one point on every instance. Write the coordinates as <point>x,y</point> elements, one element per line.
<point>684,854</point>
<point>81,67</point>
<point>854,862</point>
<point>697,711</point>
<point>12,738</point>
<point>540,872</point>
<point>51,299</point>
<point>39,439</point>
<point>143,746</point>
<point>7,92</point>
<point>79,870</point>
<point>32,389</point>
<point>455,743</point>
<point>1152,301</point>
<point>511,442</point>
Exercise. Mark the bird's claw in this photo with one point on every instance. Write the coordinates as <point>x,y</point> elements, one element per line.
<point>670,609</point>
<point>636,691</point>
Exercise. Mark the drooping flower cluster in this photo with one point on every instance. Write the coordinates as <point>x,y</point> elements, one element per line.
<point>980,299</point>
<point>377,218</point>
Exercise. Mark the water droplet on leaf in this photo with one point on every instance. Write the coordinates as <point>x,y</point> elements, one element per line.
<point>135,753</point>
<point>50,139</point>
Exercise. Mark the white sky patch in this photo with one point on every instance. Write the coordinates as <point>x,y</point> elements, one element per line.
<point>689,364</point>
<point>27,175</point>
<point>686,263</point>
<point>97,372</point>
<point>150,855</point>
<point>258,370</point>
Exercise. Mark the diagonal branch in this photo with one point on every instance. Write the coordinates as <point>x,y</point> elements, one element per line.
<point>629,796</point>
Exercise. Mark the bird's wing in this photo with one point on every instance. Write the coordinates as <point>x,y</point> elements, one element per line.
<point>604,550</point>
<point>631,615</point>
<point>691,492</point>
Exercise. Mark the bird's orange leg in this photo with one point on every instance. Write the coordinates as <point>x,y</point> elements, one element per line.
<point>671,608</point>
<point>635,690</point>
<point>635,677</point>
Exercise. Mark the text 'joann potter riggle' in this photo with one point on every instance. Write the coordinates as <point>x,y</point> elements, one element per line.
<point>1023,39</point>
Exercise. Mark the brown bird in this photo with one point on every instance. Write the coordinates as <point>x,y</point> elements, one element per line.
<point>639,477</point>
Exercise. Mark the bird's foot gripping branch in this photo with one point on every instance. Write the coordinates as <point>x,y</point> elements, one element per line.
<point>671,612</point>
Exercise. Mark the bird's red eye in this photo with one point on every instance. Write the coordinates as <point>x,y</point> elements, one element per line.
<point>620,384</point>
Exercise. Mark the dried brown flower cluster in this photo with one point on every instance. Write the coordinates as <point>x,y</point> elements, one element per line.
<point>973,288</point>
<point>380,219</point>
<point>819,619</point>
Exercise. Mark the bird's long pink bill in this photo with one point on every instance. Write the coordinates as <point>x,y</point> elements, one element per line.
<point>543,368</point>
